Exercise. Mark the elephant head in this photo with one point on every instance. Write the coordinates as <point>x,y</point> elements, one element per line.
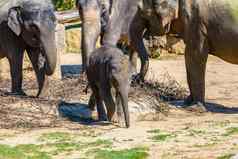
<point>160,13</point>
<point>35,23</point>
<point>94,20</point>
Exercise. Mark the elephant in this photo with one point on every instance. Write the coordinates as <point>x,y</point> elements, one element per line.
<point>28,25</point>
<point>207,27</point>
<point>114,21</point>
<point>109,68</point>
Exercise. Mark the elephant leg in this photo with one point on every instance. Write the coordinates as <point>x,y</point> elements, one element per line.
<point>39,71</point>
<point>99,101</point>
<point>83,56</point>
<point>118,106</point>
<point>106,94</point>
<point>92,102</point>
<point>137,29</point>
<point>196,55</point>
<point>16,73</point>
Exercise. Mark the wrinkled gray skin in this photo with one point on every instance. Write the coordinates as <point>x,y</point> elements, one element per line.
<point>207,27</point>
<point>109,68</point>
<point>90,13</point>
<point>114,20</point>
<point>28,25</point>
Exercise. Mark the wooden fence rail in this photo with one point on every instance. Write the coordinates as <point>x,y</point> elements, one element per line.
<point>67,16</point>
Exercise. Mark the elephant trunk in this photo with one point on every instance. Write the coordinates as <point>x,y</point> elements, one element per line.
<point>124,101</point>
<point>40,75</point>
<point>50,53</point>
<point>90,33</point>
<point>36,59</point>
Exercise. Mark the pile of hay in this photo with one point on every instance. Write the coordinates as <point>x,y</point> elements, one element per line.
<point>158,94</point>
<point>29,112</point>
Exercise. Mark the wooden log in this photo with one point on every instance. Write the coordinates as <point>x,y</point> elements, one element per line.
<point>67,16</point>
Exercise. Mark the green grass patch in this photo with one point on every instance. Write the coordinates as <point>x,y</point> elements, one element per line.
<point>8,152</point>
<point>100,149</point>
<point>58,148</point>
<point>62,147</point>
<point>22,152</point>
<point>99,142</point>
<point>59,144</point>
<point>231,131</point>
<point>154,131</point>
<point>227,156</point>
<point>160,136</point>
<point>134,153</point>
<point>56,137</point>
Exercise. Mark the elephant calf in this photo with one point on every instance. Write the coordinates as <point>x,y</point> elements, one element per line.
<point>109,68</point>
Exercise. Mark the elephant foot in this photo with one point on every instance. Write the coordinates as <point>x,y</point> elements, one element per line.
<point>16,93</point>
<point>118,119</point>
<point>103,119</point>
<point>188,101</point>
<point>198,107</point>
<point>101,123</point>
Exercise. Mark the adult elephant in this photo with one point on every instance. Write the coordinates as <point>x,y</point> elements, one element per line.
<point>207,27</point>
<point>114,21</point>
<point>28,25</point>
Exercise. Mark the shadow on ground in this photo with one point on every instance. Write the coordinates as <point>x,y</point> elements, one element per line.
<point>78,112</point>
<point>210,107</point>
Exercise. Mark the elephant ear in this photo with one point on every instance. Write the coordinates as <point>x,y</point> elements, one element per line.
<point>167,10</point>
<point>14,20</point>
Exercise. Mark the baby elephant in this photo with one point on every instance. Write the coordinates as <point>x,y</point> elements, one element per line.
<point>109,68</point>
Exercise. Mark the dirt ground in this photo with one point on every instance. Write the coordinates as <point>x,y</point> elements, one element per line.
<point>180,133</point>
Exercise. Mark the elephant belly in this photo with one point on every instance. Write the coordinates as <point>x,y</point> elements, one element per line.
<point>224,44</point>
<point>223,35</point>
<point>228,56</point>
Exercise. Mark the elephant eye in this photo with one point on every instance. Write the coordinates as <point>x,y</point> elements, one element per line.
<point>34,28</point>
